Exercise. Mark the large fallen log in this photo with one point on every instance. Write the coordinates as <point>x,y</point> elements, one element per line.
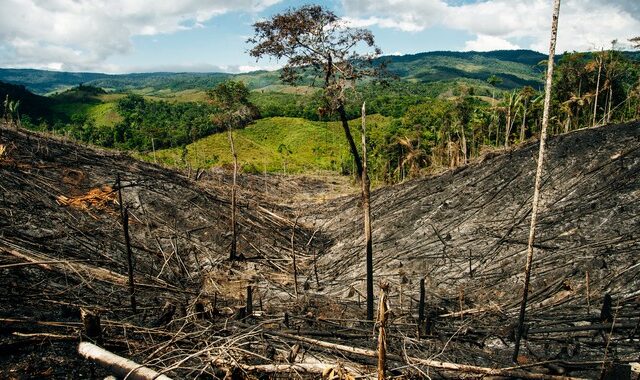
<point>507,372</point>
<point>118,365</point>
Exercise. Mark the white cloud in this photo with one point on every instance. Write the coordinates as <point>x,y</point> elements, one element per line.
<point>83,33</point>
<point>584,24</point>
<point>405,15</point>
<point>488,43</point>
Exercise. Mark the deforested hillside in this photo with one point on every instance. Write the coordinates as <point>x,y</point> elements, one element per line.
<point>465,232</point>
<point>62,249</point>
<point>469,226</point>
<point>294,303</point>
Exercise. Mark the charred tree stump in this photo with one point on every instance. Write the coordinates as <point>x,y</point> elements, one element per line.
<point>606,314</point>
<point>249,307</point>
<point>91,325</point>
<point>168,310</point>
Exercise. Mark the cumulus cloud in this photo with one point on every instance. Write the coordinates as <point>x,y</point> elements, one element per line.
<point>406,15</point>
<point>584,24</point>
<point>488,43</point>
<point>81,34</point>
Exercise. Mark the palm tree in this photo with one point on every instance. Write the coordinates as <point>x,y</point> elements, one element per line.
<point>526,94</point>
<point>511,100</point>
<point>414,156</point>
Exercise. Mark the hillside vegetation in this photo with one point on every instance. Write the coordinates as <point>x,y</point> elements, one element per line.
<point>443,110</point>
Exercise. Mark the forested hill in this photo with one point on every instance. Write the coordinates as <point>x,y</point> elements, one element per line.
<point>516,68</point>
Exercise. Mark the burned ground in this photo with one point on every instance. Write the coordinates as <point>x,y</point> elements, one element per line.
<point>464,232</point>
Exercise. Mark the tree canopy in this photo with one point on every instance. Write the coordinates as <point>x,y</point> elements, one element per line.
<point>314,40</point>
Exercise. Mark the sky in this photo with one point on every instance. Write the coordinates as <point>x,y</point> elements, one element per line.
<point>123,36</point>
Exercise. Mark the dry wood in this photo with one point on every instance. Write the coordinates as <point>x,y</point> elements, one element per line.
<point>234,226</point>
<point>366,209</point>
<point>46,336</point>
<point>293,256</point>
<point>91,324</point>
<point>508,372</point>
<point>118,365</point>
<point>301,368</point>
<point>383,310</point>
<point>538,180</point>
<point>127,242</point>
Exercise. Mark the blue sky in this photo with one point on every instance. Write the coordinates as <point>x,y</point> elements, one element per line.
<point>209,35</point>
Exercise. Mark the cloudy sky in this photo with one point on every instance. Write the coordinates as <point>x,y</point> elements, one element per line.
<point>119,36</point>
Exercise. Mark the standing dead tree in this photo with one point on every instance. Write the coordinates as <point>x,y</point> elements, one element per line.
<point>536,188</point>
<point>314,39</point>
<point>124,214</point>
<point>383,315</point>
<point>366,208</point>
<point>232,99</point>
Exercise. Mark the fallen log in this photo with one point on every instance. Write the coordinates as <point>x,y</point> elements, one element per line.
<point>446,366</point>
<point>308,368</point>
<point>118,365</point>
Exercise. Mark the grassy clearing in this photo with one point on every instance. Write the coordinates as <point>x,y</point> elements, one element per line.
<point>273,145</point>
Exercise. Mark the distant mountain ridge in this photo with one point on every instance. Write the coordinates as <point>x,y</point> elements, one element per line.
<point>515,67</point>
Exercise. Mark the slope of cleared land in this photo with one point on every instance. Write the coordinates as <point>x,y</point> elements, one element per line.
<point>61,249</point>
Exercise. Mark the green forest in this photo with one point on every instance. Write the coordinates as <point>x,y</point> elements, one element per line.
<point>436,110</point>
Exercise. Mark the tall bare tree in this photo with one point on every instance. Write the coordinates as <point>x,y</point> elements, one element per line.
<point>314,40</point>
<point>232,99</point>
<point>536,188</point>
<point>366,207</point>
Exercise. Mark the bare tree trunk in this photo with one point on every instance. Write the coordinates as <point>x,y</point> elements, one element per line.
<point>124,215</point>
<point>153,146</point>
<point>464,145</point>
<point>536,189</point>
<point>383,309</point>
<point>507,128</point>
<point>366,208</point>
<point>234,228</point>
<point>352,144</point>
<point>595,100</point>
<point>524,122</point>
<point>609,101</point>
<point>293,255</point>
<point>125,226</point>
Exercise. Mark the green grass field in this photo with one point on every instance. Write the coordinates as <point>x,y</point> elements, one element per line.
<point>277,144</point>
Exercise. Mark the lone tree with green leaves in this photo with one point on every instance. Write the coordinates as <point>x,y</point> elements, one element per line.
<point>235,111</point>
<point>314,40</point>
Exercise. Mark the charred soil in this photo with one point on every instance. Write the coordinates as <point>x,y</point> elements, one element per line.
<point>464,232</point>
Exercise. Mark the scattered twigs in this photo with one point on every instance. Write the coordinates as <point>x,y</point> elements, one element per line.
<point>446,366</point>
<point>118,365</point>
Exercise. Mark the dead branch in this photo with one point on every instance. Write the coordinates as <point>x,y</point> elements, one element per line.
<point>118,365</point>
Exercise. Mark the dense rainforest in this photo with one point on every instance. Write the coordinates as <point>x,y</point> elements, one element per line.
<point>434,114</point>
